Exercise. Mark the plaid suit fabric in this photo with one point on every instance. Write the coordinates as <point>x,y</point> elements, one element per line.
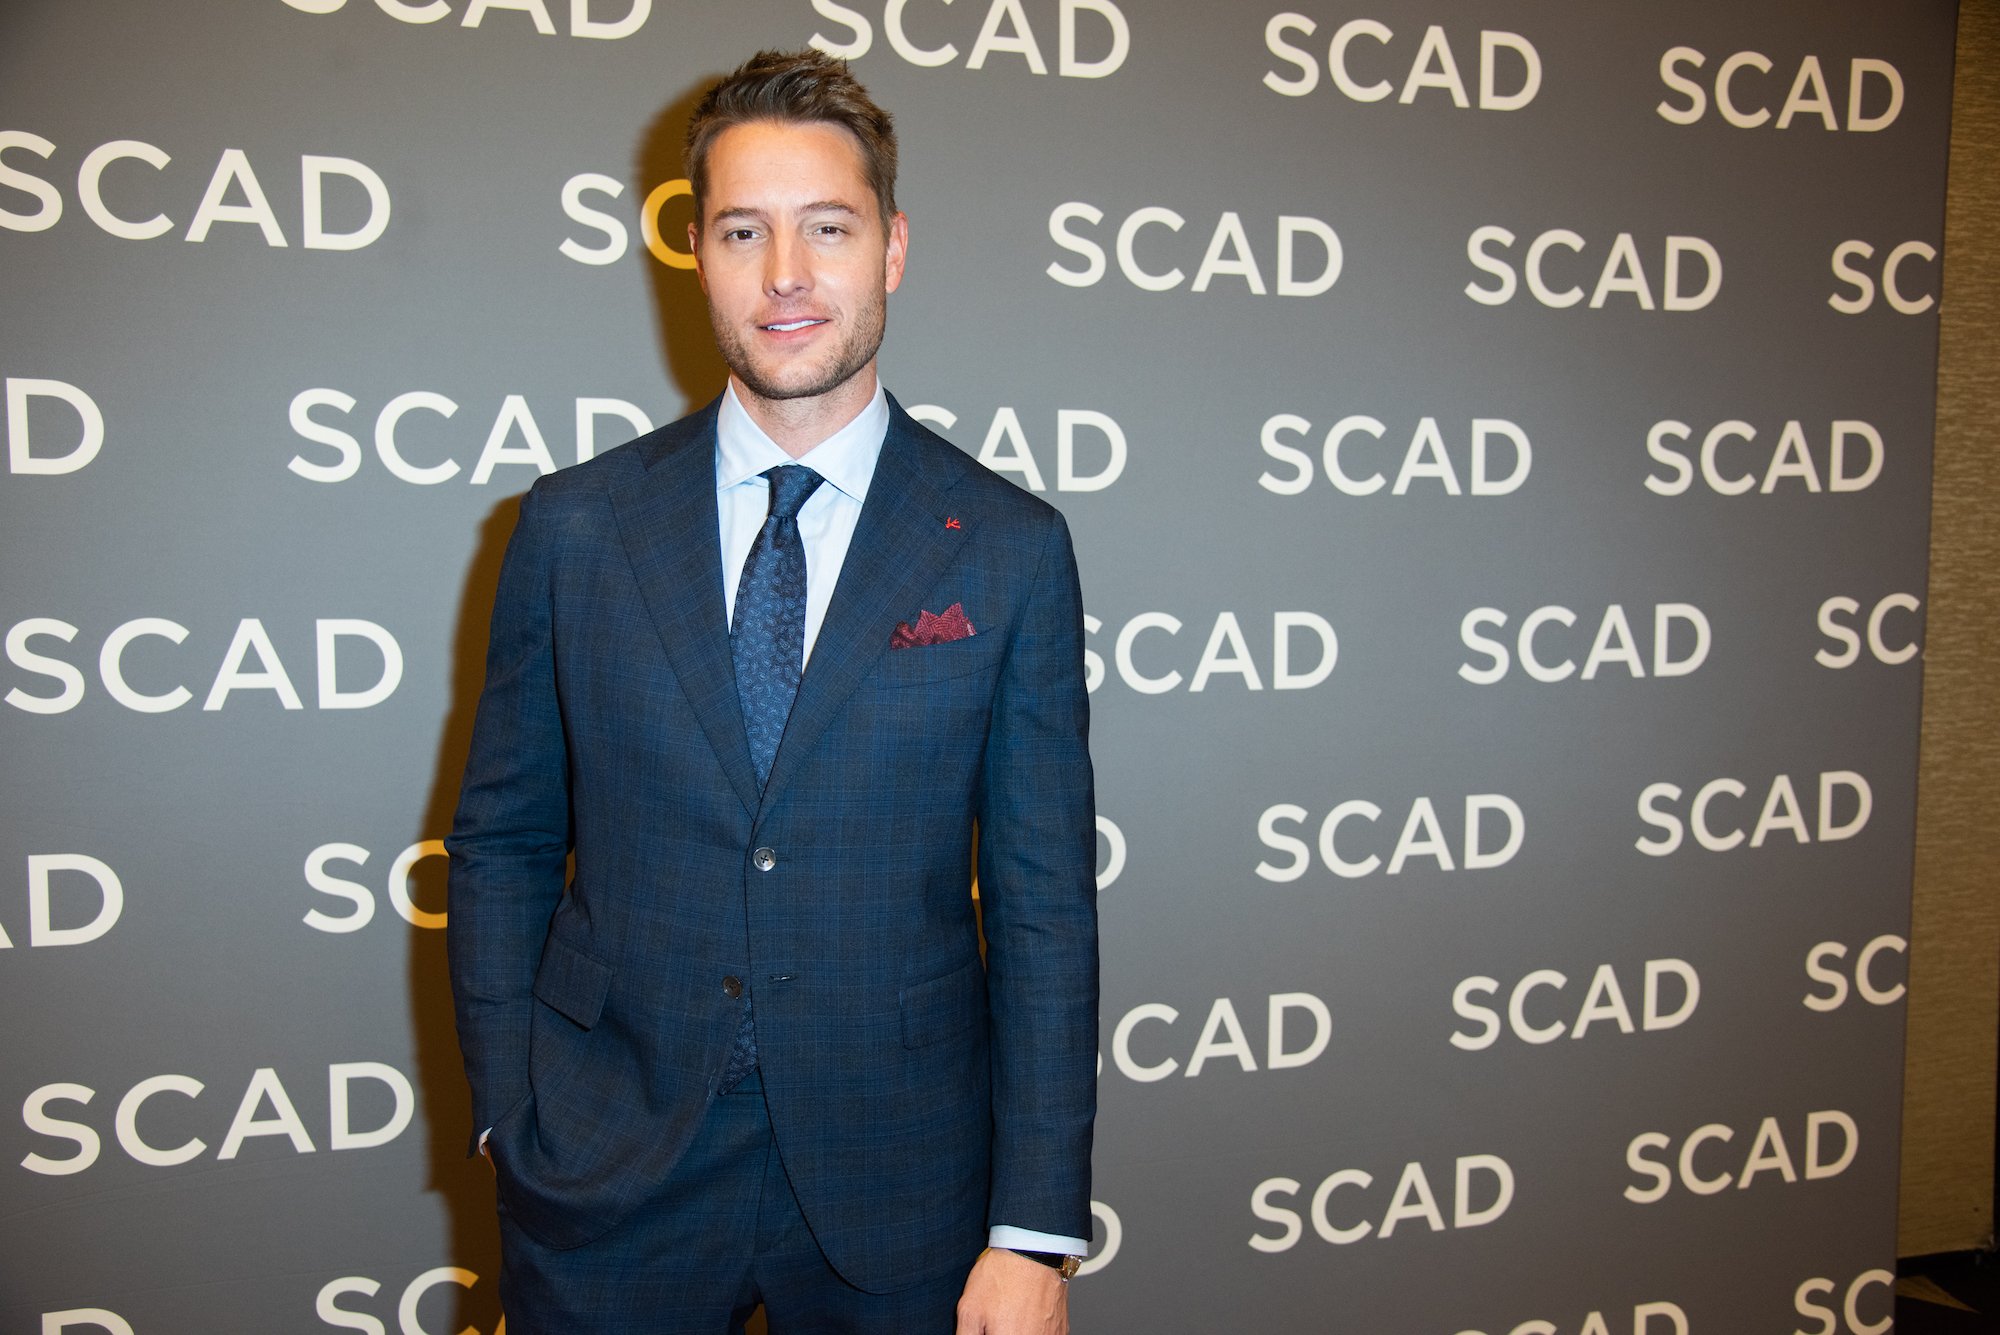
<point>724,1237</point>
<point>916,1095</point>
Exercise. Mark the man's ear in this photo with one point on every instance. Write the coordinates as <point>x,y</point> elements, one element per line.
<point>694,249</point>
<point>898,251</point>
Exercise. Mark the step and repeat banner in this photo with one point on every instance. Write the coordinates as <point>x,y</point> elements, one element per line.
<point>1497,439</point>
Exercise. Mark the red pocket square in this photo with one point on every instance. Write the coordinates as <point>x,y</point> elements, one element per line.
<point>932,628</point>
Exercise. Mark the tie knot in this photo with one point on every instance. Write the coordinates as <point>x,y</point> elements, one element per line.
<point>791,485</point>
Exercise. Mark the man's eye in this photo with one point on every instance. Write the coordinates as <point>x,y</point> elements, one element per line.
<point>739,234</point>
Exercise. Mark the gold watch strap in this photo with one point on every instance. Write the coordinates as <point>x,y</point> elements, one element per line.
<point>1061,1262</point>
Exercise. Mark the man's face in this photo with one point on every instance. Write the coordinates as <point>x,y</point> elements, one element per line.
<point>795,258</point>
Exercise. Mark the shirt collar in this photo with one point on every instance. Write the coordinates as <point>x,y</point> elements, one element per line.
<point>846,459</point>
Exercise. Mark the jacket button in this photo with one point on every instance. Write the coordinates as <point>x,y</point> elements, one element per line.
<point>732,985</point>
<point>764,859</point>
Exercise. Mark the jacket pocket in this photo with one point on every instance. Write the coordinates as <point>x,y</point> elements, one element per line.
<point>572,983</point>
<point>944,1006</point>
<point>925,663</point>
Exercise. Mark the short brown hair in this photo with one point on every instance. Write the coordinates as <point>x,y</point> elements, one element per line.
<point>800,87</point>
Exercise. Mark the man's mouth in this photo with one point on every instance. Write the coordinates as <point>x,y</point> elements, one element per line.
<point>788,326</point>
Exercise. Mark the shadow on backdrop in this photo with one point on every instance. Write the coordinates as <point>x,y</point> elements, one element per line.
<point>687,347</point>
<point>680,312</point>
<point>464,1183</point>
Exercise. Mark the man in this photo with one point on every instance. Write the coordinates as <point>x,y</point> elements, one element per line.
<point>751,1053</point>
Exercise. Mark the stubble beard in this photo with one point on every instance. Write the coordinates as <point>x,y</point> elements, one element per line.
<point>841,364</point>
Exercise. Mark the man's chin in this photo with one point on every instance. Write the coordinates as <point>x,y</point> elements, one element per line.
<point>779,391</point>
<point>803,383</point>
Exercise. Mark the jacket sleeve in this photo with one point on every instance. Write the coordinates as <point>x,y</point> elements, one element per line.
<point>1038,899</point>
<point>510,839</point>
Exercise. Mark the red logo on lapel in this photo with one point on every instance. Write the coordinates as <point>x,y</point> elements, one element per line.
<point>951,523</point>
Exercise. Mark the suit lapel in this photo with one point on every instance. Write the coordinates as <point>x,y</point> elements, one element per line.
<point>900,546</point>
<point>667,521</point>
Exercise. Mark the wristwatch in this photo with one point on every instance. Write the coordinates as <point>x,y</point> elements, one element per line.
<point>1058,1261</point>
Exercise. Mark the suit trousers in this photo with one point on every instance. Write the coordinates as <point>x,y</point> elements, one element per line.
<point>725,1235</point>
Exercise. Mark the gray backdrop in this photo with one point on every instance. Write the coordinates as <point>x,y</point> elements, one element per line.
<point>1497,440</point>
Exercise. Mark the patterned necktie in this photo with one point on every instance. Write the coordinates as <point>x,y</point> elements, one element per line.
<point>768,639</point>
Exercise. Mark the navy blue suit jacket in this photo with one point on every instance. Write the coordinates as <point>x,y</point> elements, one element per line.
<point>917,1093</point>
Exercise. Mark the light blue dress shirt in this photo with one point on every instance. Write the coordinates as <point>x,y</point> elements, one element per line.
<point>846,460</point>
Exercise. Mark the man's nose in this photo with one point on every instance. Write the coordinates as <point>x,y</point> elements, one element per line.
<point>787,266</point>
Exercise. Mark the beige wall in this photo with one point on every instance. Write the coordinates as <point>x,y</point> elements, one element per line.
<point>1948,1104</point>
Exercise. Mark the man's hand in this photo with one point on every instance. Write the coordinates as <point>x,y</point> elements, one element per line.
<point>1008,1294</point>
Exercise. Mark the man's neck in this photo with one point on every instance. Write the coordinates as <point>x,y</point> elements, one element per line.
<point>796,425</point>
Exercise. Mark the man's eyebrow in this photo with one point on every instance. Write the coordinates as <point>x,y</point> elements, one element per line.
<point>744,213</point>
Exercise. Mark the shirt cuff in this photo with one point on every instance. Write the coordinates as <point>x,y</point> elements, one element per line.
<point>1027,1240</point>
